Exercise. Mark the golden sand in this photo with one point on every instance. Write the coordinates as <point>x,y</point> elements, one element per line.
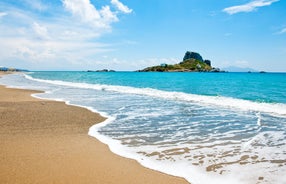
<point>46,142</point>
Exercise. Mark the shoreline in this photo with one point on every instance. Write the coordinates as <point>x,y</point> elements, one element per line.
<point>44,141</point>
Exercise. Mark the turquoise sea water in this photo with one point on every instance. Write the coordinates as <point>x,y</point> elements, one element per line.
<point>205,127</point>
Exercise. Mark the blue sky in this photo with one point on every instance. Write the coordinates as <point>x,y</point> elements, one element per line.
<point>133,34</point>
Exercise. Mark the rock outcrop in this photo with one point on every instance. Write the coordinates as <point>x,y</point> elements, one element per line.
<point>196,56</point>
<point>208,62</point>
<point>193,55</point>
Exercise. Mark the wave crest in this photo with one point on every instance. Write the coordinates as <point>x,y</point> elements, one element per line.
<point>277,109</point>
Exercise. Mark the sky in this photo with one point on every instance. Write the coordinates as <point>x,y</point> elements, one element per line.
<point>128,35</point>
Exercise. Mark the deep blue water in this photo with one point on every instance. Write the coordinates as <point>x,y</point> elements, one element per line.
<point>205,127</point>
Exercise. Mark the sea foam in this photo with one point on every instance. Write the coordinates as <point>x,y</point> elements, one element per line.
<point>246,105</point>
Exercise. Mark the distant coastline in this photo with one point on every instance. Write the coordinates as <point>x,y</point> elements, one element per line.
<point>7,69</point>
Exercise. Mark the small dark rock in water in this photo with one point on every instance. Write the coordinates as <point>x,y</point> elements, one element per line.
<point>104,70</point>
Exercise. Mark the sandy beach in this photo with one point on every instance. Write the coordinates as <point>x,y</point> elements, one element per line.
<point>46,142</point>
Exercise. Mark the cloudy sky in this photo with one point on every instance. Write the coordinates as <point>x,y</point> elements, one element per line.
<point>133,34</point>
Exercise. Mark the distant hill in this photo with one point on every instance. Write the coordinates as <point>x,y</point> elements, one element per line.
<point>192,62</point>
<point>6,69</point>
<point>239,69</point>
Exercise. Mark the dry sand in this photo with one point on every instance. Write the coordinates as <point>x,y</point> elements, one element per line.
<point>47,142</point>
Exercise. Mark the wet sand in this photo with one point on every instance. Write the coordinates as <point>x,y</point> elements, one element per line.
<point>46,142</point>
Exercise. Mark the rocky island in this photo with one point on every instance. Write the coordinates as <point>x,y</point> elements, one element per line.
<point>192,62</point>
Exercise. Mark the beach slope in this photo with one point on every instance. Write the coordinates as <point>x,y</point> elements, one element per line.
<point>46,142</point>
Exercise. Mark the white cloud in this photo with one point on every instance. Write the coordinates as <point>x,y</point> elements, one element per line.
<point>107,15</point>
<point>40,31</point>
<point>57,40</point>
<point>37,4</point>
<point>120,6</point>
<point>87,13</point>
<point>282,31</point>
<point>2,14</point>
<point>249,7</point>
<point>49,51</point>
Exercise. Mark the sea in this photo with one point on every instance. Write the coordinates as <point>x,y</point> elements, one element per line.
<point>205,127</point>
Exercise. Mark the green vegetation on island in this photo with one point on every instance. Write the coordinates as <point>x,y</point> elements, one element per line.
<point>192,62</point>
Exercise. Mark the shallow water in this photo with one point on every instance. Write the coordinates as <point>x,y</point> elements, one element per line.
<point>201,126</point>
